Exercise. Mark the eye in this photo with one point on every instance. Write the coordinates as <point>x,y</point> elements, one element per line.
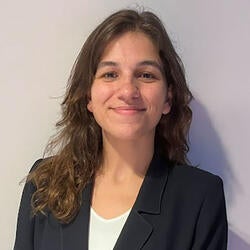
<point>147,76</point>
<point>110,76</point>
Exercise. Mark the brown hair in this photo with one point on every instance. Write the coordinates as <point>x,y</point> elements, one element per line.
<point>60,179</point>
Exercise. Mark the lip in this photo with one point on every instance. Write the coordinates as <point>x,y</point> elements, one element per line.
<point>128,110</point>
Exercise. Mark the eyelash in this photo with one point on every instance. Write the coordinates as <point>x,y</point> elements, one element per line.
<point>146,75</point>
<point>110,74</point>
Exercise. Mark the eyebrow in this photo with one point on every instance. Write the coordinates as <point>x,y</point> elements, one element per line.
<point>151,63</point>
<point>106,63</point>
<point>142,63</point>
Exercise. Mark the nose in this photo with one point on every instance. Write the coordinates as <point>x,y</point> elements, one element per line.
<point>128,89</point>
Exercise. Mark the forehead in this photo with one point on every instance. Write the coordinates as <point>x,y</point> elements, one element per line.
<point>131,46</point>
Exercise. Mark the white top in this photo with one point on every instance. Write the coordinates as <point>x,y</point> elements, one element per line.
<point>103,233</point>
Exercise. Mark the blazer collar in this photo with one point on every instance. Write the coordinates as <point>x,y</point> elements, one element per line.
<point>137,230</point>
<point>150,194</point>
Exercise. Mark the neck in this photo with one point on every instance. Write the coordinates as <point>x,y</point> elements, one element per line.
<point>125,157</point>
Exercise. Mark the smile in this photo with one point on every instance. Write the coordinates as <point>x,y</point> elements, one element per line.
<point>128,110</point>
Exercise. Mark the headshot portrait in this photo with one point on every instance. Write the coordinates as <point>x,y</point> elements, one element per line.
<point>128,135</point>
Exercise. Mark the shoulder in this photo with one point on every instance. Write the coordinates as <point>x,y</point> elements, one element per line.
<point>36,164</point>
<point>188,174</point>
<point>187,180</point>
<point>41,162</point>
<point>28,190</point>
<point>193,175</point>
<point>29,187</point>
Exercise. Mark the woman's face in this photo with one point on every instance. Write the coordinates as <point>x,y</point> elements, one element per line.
<point>129,93</point>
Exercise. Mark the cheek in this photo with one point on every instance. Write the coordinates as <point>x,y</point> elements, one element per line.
<point>99,95</point>
<point>157,95</point>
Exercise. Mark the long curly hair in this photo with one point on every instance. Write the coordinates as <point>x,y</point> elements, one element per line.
<point>77,147</point>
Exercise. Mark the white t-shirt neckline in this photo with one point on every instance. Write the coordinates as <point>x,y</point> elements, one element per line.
<point>103,233</point>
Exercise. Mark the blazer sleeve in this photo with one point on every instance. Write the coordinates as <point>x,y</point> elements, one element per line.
<point>212,228</point>
<point>25,221</point>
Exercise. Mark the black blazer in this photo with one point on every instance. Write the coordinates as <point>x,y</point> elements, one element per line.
<point>178,208</point>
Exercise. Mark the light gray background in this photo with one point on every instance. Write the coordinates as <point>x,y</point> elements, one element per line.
<point>39,42</point>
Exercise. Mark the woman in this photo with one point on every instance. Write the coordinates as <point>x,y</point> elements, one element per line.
<point>119,178</point>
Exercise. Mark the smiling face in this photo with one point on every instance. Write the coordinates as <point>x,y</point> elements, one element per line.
<point>129,93</point>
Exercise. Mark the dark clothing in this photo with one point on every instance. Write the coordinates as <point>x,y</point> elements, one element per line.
<point>177,208</point>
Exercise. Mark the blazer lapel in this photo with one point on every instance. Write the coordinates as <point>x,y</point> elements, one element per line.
<point>75,234</point>
<point>134,233</point>
<point>137,230</point>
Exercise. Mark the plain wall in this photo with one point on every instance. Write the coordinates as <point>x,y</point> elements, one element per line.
<point>39,43</point>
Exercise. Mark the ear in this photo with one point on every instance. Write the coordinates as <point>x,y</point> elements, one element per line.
<point>168,102</point>
<point>89,106</point>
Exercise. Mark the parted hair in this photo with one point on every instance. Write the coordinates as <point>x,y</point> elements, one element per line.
<point>77,147</point>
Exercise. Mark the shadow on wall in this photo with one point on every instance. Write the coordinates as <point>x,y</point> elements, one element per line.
<point>206,152</point>
<point>236,243</point>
